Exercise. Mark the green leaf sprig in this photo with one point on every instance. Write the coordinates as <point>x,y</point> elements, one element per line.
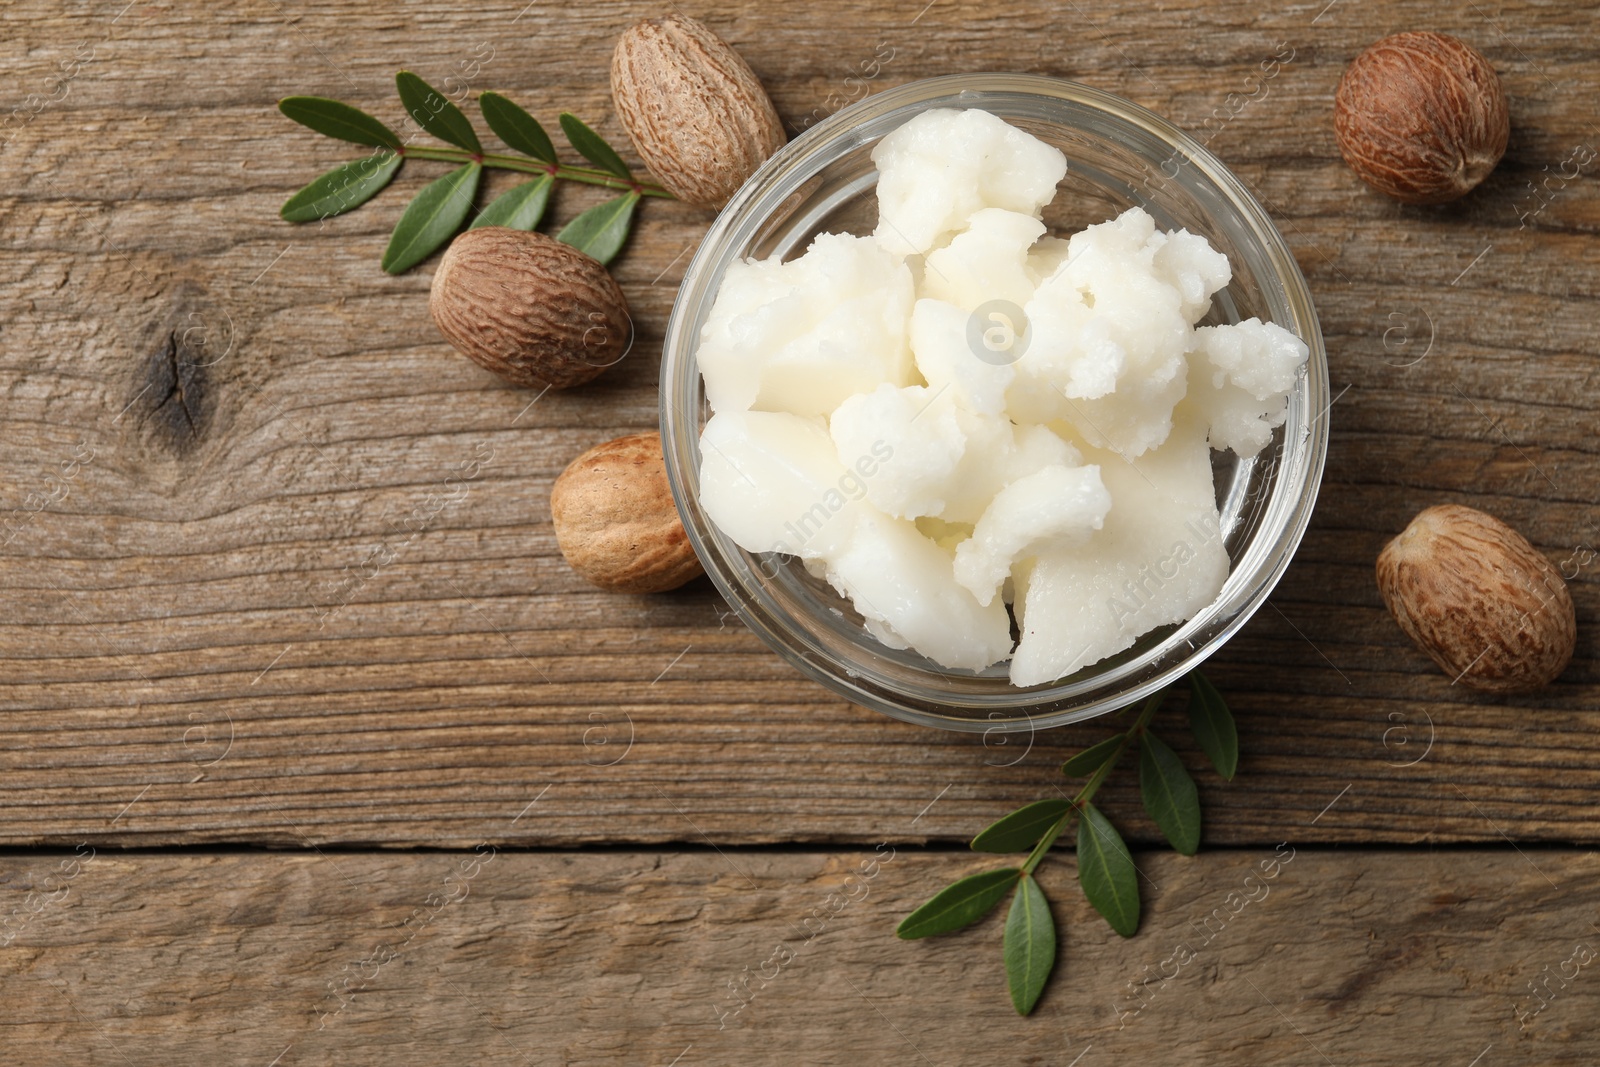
<point>1105,866</point>
<point>439,210</point>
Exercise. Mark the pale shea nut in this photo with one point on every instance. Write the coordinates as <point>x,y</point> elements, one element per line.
<point>1482,602</point>
<point>1421,117</point>
<point>615,520</point>
<point>533,310</point>
<point>694,109</point>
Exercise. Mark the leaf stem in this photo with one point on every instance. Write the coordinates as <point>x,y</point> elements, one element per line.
<point>532,166</point>
<point>1146,713</point>
<point>1047,841</point>
<point>1096,780</point>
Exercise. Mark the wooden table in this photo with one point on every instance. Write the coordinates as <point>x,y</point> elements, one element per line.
<point>277,803</point>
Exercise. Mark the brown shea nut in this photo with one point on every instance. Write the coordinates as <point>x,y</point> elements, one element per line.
<point>1481,601</point>
<point>694,109</point>
<point>1421,117</point>
<point>615,520</point>
<point>531,309</point>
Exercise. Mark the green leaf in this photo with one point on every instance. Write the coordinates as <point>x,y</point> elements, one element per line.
<point>1106,871</point>
<point>600,231</point>
<point>1169,794</point>
<point>593,147</point>
<point>432,218</point>
<point>1089,760</point>
<point>1030,945</point>
<point>1023,828</point>
<point>347,186</point>
<point>335,119</point>
<point>958,904</point>
<point>1212,725</point>
<point>520,207</point>
<point>435,113</point>
<point>516,127</point>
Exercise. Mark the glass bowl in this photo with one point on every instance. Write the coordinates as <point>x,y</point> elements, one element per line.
<point>1118,155</point>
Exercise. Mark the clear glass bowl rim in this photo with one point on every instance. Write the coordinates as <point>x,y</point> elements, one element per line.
<point>1303,448</point>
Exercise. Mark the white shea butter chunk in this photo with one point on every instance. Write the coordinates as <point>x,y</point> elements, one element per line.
<point>986,262</point>
<point>1108,338</point>
<point>773,483</point>
<point>940,168</point>
<point>1055,507</point>
<point>917,433</point>
<point>1158,559</point>
<point>802,336</point>
<point>1188,263</point>
<point>899,579</point>
<point>1240,379</point>
<point>1046,257</point>
<point>998,454</point>
<point>943,343</point>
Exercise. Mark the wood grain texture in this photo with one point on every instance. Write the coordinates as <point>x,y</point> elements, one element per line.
<point>198,642</point>
<point>694,958</point>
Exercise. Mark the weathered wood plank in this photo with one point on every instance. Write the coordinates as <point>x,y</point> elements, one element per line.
<point>753,956</point>
<point>171,673</point>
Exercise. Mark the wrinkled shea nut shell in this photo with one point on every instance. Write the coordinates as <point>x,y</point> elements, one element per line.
<point>1421,117</point>
<point>529,308</point>
<point>694,108</point>
<point>1480,600</point>
<point>615,520</point>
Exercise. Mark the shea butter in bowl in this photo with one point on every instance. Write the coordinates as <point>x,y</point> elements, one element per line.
<point>916,475</point>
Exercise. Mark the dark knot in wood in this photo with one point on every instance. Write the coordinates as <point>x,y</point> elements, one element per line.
<point>176,384</point>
